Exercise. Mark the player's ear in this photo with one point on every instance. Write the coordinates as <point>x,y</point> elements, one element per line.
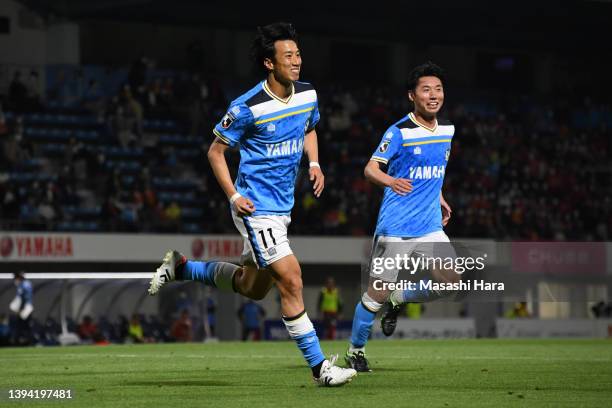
<point>410,96</point>
<point>268,64</point>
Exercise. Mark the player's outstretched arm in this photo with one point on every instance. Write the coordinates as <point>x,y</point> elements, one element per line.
<point>311,147</point>
<point>375,175</point>
<point>216,158</point>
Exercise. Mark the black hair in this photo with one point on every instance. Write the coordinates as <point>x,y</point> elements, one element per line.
<point>263,44</point>
<point>426,69</point>
<point>18,275</point>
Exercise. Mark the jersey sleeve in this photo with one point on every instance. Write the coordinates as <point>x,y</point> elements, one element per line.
<point>314,117</point>
<point>388,146</point>
<point>234,124</point>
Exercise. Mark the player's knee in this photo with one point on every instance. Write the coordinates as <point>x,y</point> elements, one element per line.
<point>380,296</point>
<point>291,284</point>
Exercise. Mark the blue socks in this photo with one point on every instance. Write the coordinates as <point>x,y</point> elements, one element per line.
<point>219,275</point>
<point>301,330</point>
<point>198,271</point>
<point>362,325</point>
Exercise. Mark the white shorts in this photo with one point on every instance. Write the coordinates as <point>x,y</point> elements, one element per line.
<point>434,244</point>
<point>265,238</point>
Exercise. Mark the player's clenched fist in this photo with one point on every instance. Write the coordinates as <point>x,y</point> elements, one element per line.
<point>244,206</point>
<point>401,186</point>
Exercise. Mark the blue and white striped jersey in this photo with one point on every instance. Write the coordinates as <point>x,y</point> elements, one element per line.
<point>270,132</point>
<point>418,153</point>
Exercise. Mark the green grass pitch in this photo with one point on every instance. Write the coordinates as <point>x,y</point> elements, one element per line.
<point>423,373</point>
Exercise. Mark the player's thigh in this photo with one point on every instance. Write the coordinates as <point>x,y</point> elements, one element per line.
<point>256,279</point>
<point>384,268</point>
<point>439,255</point>
<point>386,252</point>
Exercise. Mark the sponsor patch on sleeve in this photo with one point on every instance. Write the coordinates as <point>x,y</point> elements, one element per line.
<point>227,120</point>
<point>384,146</point>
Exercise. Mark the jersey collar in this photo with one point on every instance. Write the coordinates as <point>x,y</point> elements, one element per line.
<point>414,119</point>
<point>272,95</point>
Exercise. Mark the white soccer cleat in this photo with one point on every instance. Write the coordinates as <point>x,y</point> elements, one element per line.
<point>334,376</point>
<point>165,272</point>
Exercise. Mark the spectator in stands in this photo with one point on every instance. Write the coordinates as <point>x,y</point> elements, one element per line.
<point>251,316</point>
<point>17,93</point>
<point>3,125</point>
<point>87,329</point>
<point>182,328</point>
<point>172,214</point>
<point>33,87</point>
<point>10,204</point>
<point>123,124</point>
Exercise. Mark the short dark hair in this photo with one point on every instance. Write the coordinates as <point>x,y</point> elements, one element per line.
<point>426,69</point>
<point>263,44</point>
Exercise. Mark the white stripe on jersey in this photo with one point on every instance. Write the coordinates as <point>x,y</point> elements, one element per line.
<point>274,105</point>
<point>419,132</point>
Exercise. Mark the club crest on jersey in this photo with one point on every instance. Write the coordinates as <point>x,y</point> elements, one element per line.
<point>227,120</point>
<point>447,154</point>
<point>384,146</point>
<point>271,127</point>
<point>417,150</point>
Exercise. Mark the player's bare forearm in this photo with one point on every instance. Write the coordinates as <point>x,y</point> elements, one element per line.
<point>311,146</point>
<point>216,158</point>
<point>375,175</point>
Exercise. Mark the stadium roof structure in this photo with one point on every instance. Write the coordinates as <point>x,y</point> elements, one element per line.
<point>537,24</point>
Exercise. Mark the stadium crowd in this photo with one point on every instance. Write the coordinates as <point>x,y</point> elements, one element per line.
<point>123,150</point>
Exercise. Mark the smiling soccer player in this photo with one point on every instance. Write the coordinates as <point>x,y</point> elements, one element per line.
<point>415,151</point>
<point>273,123</point>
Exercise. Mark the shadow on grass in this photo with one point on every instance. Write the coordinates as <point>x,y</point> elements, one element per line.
<point>179,383</point>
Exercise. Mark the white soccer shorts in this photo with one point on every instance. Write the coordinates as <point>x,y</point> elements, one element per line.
<point>265,238</point>
<point>434,244</point>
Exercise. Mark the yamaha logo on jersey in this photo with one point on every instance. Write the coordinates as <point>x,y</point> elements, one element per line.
<point>417,150</point>
<point>384,146</point>
<point>447,154</point>
<point>271,128</point>
<point>227,120</point>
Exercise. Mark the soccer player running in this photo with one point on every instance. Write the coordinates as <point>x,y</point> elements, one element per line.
<point>273,123</point>
<point>415,151</point>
